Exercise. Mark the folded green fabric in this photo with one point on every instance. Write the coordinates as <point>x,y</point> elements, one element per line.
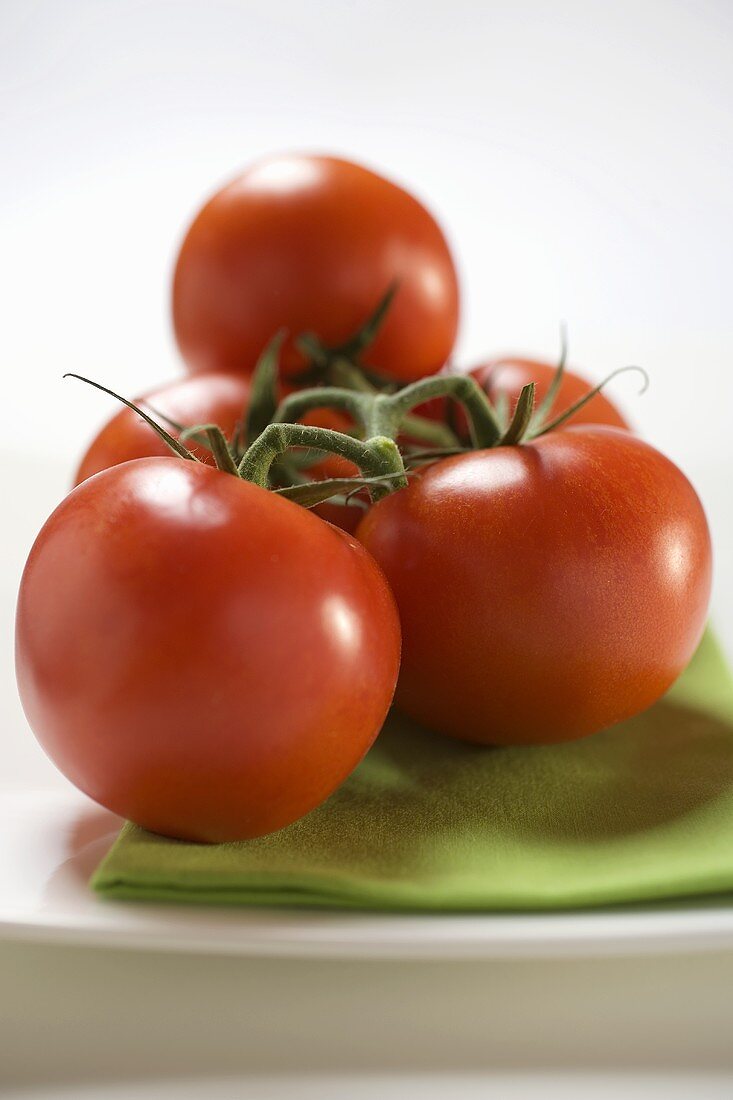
<point>641,811</point>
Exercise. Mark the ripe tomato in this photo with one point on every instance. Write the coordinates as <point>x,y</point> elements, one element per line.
<point>208,399</point>
<point>311,244</point>
<point>545,591</point>
<point>200,655</point>
<point>346,516</point>
<point>510,375</point>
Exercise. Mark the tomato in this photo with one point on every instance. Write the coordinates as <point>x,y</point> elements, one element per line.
<point>312,243</point>
<point>546,591</point>
<point>510,375</point>
<point>208,399</point>
<point>346,516</point>
<point>200,655</point>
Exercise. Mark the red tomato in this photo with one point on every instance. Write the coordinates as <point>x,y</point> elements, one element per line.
<point>200,655</point>
<point>346,516</point>
<point>510,375</point>
<point>545,591</point>
<point>311,244</point>
<point>209,399</point>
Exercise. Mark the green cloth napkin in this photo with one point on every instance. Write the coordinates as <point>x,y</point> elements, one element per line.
<point>641,811</point>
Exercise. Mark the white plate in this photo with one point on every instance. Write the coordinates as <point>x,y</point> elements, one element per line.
<point>51,841</point>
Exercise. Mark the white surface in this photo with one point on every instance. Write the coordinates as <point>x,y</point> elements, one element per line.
<point>579,157</point>
<point>82,1021</point>
<point>50,843</point>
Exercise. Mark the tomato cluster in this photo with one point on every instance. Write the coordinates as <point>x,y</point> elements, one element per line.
<point>201,653</point>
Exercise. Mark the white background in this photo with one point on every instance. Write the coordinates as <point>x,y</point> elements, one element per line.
<point>579,156</point>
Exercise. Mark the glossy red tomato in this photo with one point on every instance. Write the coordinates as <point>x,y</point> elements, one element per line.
<point>209,399</point>
<point>510,375</point>
<point>545,591</point>
<point>312,243</point>
<point>200,655</point>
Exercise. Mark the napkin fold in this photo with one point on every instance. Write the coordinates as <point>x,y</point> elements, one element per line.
<point>641,811</point>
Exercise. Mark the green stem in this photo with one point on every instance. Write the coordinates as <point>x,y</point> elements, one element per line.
<point>370,412</point>
<point>353,404</point>
<point>522,418</point>
<point>434,433</point>
<point>384,414</point>
<point>342,372</point>
<point>216,443</point>
<point>170,441</point>
<point>393,408</point>
<point>378,457</point>
<point>543,429</point>
<point>542,413</point>
<point>366,335</point>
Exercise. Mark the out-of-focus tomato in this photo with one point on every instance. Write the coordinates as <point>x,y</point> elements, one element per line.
<point>510,375</point>
<point>200,655</point>
<point>545,590</point>
<point>209,399</point>
<point>311,243</point>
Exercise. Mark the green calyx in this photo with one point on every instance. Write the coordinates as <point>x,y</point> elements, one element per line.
<point>271,449</point>
<point>390,414</point>
<point>378,459</point>
<point>341,365</point>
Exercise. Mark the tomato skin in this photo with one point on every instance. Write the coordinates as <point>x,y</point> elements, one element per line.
<point>510,374</point>
<point>545,591</point>
<point>207,399</point>
<point>199,655</point>
<point>345,516</point>
<point>311,243</point>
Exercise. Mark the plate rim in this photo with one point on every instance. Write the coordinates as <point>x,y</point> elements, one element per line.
<point>291,932</point>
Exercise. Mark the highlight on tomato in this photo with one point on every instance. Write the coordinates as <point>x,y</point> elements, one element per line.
<point>199,654</point>
<point>310,243</point>
<point>551,579</point>
<point>546,591</point>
